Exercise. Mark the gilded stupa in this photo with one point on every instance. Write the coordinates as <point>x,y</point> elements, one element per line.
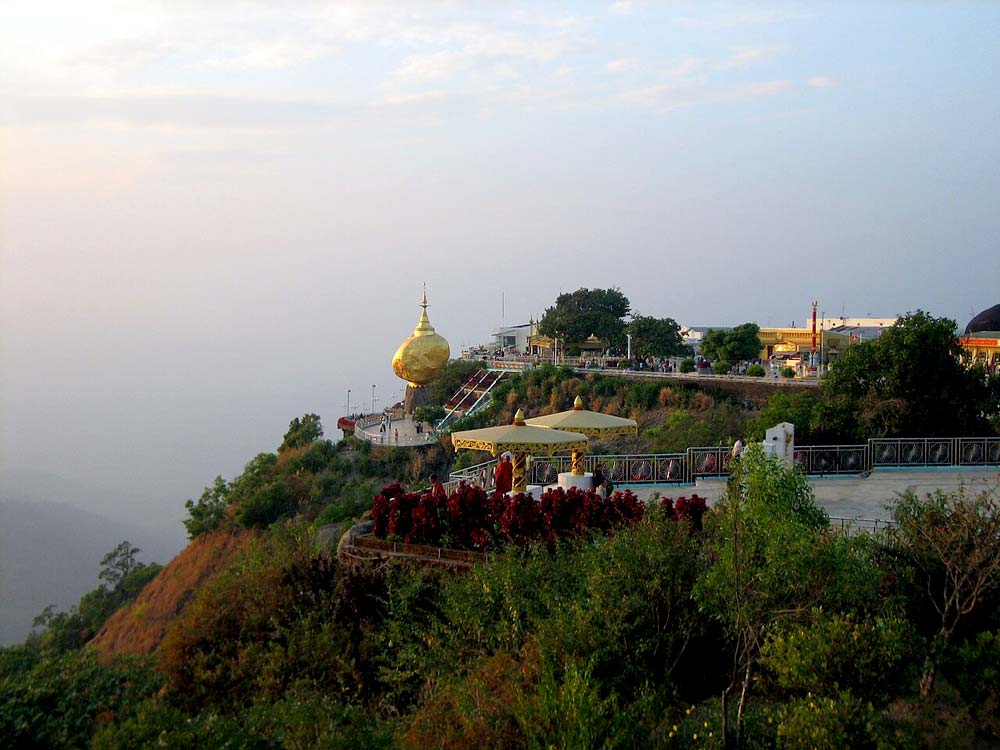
<point>420,358</point>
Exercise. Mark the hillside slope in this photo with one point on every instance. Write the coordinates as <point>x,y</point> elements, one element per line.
<point>138,627</point>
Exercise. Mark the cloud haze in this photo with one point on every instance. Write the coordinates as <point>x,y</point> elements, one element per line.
<point>215,217</point>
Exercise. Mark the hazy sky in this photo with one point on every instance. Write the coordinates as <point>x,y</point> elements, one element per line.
<point>215,216</point>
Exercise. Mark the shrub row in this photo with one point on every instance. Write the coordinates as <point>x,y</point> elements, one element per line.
<point>472,519</point>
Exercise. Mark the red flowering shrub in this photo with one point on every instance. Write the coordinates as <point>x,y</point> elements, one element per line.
<point>472,517</point>
<point>521,520</point>
<point>380,508</point>
<point>429,520</point>
<point>469,518</point>
<point>690,509</point>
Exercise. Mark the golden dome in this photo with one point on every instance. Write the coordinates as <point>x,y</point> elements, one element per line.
<point>419,359</point>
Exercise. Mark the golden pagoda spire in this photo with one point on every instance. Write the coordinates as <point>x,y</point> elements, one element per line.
<point>424,327</point>
<point>423,354</point>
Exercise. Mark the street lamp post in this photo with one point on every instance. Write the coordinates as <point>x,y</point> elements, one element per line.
<point>348,402</point>
<point>373,399</point>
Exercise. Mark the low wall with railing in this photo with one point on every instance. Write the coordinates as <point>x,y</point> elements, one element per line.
<point>716,461</point>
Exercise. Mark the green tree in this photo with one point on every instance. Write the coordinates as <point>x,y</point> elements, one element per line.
<point>953,541</point>
<point>207,514</point>
<point>577,315</point>
<point>118,563</point>
<point>909,381</point>
<point>68,631</point>
<point>795,408</point>
<point>656,337</point>
<point>765,561</point>
<point>302,432</point>
<point>735,345</point>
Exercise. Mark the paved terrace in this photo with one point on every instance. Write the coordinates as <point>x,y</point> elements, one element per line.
<point>367,428</point>
<point>856,496</point>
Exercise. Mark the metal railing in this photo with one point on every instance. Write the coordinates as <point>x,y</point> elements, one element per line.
<point>929,452</point>
<point>472,474</point>
<point>389,438</point>
<point>716,461</point>
<point>855,526</point>
<point>832,459</point>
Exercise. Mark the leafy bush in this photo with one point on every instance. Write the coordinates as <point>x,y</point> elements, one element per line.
<point>687,365</point>
<point>683,428</point>
<point>840,652</point>
<point>62,699</point>
<point>834,723</point>
<point>721,368</point>
<point>787,372</point>
<point>755,371</point>
<point>974,669</point>
<point>265,505</point>
<point>210,510</point>
<point>161,725</point>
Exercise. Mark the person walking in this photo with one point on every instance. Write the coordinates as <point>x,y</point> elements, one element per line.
<point>738,448</point>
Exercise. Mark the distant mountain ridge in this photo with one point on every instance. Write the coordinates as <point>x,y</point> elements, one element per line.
<point>143,508</point>
<point>50,551</point>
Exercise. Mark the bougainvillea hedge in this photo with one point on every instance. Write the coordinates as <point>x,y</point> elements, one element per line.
<point>470,518</point>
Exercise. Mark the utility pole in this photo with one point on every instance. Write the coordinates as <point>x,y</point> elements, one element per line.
<point>812,351</point>
<point>348,402</point>
<point>373,398</point>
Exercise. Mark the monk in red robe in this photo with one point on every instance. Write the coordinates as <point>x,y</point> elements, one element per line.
<point>504,476</point>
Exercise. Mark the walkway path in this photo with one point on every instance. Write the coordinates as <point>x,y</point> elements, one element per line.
<point>855,496</point>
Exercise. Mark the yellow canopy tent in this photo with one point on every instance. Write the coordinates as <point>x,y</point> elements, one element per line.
<point>589,423</point>
<point>521,440</point>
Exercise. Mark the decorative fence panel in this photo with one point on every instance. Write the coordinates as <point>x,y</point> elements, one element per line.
<point>716,461</point>
<point>640,468</point>
<point>709,462</point>
<point>831,459</point>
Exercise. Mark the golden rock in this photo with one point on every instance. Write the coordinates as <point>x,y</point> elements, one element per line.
<point>420,358</point>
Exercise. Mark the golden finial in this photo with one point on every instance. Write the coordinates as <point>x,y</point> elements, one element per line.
<point>424,353</point>
<point>519,417</point>
<point>577,404</point>
<point>424,327</point>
